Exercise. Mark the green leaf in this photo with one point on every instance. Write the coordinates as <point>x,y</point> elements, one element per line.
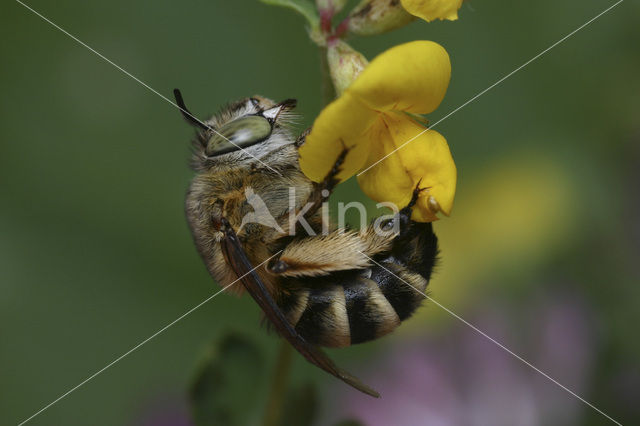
<point>230,376</point>
<point>303,7</point>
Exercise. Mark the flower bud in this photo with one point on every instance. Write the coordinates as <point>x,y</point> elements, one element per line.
<point>330,6</point>
<point>378,16</point>
<point>345,64</point>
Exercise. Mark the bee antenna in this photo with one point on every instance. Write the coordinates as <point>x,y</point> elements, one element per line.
<point>191,119</point>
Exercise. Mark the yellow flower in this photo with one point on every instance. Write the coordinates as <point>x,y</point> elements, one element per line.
<point>430,10</point>
<point>370,119</point>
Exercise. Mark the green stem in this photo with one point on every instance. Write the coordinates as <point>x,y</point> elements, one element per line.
<point>273,412</point>
<point>328,92</point>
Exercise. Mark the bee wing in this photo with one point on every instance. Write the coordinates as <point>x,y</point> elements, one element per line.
<point>237,259</point>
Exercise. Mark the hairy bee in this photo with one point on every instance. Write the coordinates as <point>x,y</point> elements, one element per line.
<point>333,288</point>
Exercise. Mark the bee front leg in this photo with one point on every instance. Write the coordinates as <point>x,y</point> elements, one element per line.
<point>322,190</point>
<point>319,193</point>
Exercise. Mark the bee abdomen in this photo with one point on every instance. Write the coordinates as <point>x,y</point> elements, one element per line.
<point>370,313</point>
<point>376,305</point>
<point>323,320</point>
<point>403,289</point>
<point>356,308</point>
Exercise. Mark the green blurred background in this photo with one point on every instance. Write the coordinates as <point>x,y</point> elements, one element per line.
<point>95,254</point>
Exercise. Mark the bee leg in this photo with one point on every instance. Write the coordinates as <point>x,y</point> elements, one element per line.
<point>302,138</point>
<point>330,181</point>
<point>237,258</point>
<point>322,190</point>
<point>404,215</point>
<point>340,250</point>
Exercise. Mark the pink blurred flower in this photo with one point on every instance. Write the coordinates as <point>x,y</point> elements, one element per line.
<point>462,378</point>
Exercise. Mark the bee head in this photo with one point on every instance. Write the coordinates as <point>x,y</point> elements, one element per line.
<point>249,127</point>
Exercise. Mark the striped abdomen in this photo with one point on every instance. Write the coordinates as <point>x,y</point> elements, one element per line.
<point>354,307</point>
<point>345,308</point>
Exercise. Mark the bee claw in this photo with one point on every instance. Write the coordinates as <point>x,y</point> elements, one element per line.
<point>405,212</point>
<point>416,193</point>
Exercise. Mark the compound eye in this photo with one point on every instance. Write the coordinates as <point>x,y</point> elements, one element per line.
<point>239,133</point>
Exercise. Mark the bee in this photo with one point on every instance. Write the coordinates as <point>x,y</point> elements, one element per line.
<point>334,288</point>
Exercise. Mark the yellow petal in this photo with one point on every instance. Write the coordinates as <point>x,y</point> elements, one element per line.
<point>430,10</point>
<point>388,180</point>
<point>426,159</point>
<point>410,77</point>
<point>342,123</point>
